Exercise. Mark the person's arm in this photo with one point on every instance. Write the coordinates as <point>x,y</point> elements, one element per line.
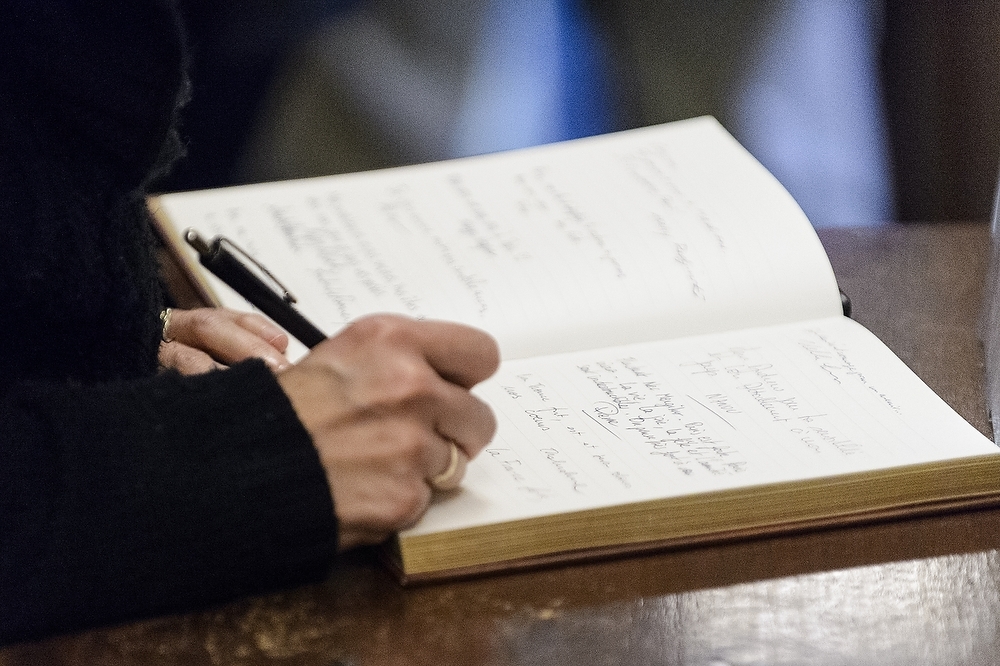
<point>167,494</point>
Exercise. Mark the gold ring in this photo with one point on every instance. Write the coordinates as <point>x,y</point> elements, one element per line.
<point>446,476</point>
<point>165,325</point>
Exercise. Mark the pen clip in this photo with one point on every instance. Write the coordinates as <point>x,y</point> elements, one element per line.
<point>240,255</point>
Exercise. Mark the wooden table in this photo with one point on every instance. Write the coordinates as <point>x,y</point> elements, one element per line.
<point>921,591</point>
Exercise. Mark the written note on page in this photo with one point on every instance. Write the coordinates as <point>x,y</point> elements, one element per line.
<point>699,414</point>
<point>574,246</point>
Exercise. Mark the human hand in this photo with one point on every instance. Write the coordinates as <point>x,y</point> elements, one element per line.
<point>205,339</point>
<point>385,401</point>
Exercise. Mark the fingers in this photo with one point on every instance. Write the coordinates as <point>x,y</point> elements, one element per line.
<point>185,360</point>
<point>463,419</point>
<point>413,365</point>
<point>451,476</point>
<point>377,472</point>
<point>260,326</point>
<point>460,354</point>
<point>388,406</point>
<point>229,336</point>
<point>371,506</point>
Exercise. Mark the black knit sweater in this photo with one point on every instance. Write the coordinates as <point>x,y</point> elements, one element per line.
<point>124,492</point>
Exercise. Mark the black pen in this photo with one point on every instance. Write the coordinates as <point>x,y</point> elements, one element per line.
<point>275,301</point>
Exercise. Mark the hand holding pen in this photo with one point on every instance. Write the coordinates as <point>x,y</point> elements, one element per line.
<point>386,401</point>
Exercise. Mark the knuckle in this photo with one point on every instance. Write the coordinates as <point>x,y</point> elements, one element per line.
<point>409,504</point>
<point>382,329</point>
<point>184,359</point>
<point>363,329</point>
<point>412,378</point>
<point>167,354</point>
<point>195,360</point>
<point>411,442</point>
<point>246,319</point>
<point>405,383</point>
<point>201,320</point>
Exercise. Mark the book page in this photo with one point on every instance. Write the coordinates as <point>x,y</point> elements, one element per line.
<point>642,235</point>
<point>657,420</point>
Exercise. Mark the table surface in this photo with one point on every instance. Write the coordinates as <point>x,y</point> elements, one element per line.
<point>914,591</point>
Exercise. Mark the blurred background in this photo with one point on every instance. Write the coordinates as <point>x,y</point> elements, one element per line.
<point>868,111</point>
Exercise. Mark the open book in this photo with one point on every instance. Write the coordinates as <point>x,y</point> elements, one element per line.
<point>677,367</point>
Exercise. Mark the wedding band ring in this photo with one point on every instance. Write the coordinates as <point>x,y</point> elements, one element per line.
<point>165,325</point>
<point>448,474</point>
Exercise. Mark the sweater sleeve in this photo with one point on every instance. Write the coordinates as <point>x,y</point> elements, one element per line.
<point>158,495</point>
